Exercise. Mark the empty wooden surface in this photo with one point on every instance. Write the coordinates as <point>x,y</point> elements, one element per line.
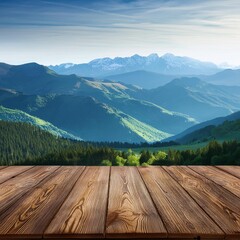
<point>180,213</point>
<point>130,208</point>
<point>227,181</point>
<point>84,211</point>
<point>11,172</point>
<point>14,188</point>
<point>234,170</point>
<point>178,202</point>
<point>221,205</point>
<point>32,213</point>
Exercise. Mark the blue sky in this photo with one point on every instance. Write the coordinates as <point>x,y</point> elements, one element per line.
<point>53,32</point>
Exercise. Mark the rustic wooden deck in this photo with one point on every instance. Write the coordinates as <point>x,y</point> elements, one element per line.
<point>179,202</point>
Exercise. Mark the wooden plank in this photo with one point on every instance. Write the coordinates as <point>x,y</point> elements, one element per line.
<point>11,172</point>
<point>221,205</point>
<point>13,189</point>
<point>131,212</point>
<point>234,170</point>
<point>84,211</point>
<point>181,215</point>
<point>2,167</point>
<point>226,180</point>
<point>30,215</point>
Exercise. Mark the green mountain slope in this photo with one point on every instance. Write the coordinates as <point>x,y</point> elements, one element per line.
<point>228,130</point>
<point>20,141</point>
<point>69,105</point>
<point>13,115</point>
<point>87,118</point>
<point>212,122</point>
<point>23,143</point>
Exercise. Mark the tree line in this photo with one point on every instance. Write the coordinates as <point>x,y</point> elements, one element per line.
<point>24,144</point>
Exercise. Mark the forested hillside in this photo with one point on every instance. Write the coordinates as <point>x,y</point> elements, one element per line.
<point>225,131</point>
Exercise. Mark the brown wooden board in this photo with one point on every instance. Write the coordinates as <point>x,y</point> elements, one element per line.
<point>84,211</point>
<point>11,172</point>
<point>221,205</point>
<point>234,170</point>
<point>131,212</point>
<point>1,167</point>
<point>181,215</point>
<point>13,189</point>
<point>30,215</point>
<point>226,180</point>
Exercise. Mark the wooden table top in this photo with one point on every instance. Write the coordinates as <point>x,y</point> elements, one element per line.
<point>72,202</point>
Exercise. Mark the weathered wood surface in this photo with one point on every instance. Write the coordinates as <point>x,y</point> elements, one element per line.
<point>84,211</point>
<point>53,202</point>
<point>234,170</point>
<point>227,181</point>
<point>221,205</point>
<point>181,214</point>
<point>130,208</point>
<point>15,188</point>
<point>11,172</point>
<point>32,213</point>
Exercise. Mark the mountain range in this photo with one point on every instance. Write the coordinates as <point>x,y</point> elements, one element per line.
<point>111,108</point>
<point>167,64</point>
<point>227,77</point>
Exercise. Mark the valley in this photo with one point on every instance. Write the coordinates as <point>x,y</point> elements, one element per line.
<point>125,107</point>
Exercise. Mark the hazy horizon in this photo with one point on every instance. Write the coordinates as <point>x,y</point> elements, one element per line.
<point>54,32</point>
<point>222,65</point>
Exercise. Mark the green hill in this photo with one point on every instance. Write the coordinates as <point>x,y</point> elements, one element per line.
<point>23,143</point>
<point>229,130</point>
<point>20,141</point>
<point>14,115</point>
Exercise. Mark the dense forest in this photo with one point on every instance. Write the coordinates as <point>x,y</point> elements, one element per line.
<point>23,144</point>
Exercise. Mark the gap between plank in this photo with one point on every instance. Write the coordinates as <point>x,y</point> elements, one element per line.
<point>108,192</point>
<point>29,188</point>
<point>153,202</point>
<point>195,201</point>
<point>226,171</point>
<point>31,167</point>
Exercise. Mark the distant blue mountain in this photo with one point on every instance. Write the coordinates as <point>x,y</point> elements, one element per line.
<point>167,64</point>
<point>194,97</point>
<point>142,78</point>
<point>228,77</point>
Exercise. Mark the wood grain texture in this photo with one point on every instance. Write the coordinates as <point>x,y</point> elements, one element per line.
<point>234,170</point>
<point>84,211</point>
<point>77,202</point>
<point>30,215</point>
<point>226,180</point>
<point>2,167</point>
<point>11,172</point>
<point>181,215</point>
<point>15,188</point>
<point>221,205</point>
<point>131,212</point>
